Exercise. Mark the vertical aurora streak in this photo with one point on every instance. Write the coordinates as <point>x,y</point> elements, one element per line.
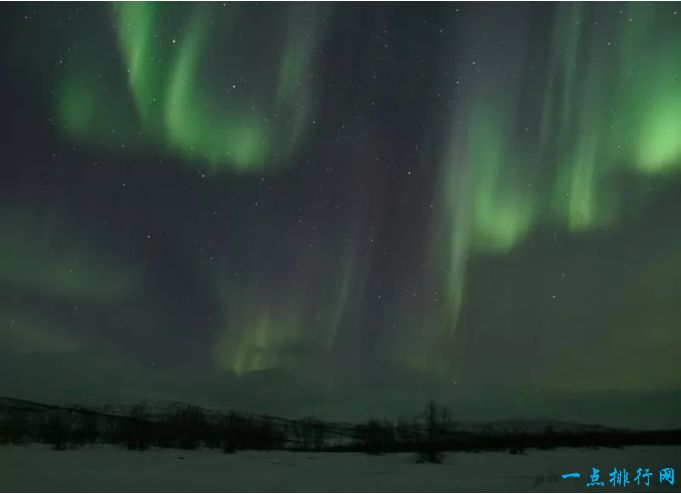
<point>350,192</point>
<point>588,132</point>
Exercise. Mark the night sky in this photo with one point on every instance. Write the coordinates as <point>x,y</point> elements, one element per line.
<point>344,209</point>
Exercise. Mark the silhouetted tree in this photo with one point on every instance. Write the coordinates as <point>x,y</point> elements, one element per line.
<point>55,431</point>
<point>189,425</point>
<point>375,437</point>
<point>267,435</point>
<point>137,430</point>
<point>407,432</point>
<point>240,431</point>
<point>310,434</point>
<point>226,433</point>
<point>14,427</point>
<point>85,430</point>
<point>437,422</point>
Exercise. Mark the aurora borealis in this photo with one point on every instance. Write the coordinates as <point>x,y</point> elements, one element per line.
<point>344,209</point>
<point>169,70</point>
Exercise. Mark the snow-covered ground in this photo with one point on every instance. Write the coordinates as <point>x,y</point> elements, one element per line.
<point>108,468</point>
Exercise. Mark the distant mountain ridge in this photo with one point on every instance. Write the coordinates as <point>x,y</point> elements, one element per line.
<point>158,409</point>
<point>180,425</point>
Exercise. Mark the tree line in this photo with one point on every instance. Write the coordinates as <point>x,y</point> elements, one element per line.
<point>428,436</point>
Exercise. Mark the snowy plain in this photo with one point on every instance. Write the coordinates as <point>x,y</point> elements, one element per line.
<point>104,468</point>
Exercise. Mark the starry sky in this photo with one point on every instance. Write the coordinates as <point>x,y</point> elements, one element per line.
<point>344,209</point>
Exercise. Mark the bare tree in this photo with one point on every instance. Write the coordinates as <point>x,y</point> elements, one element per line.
<point>375,437</point>
<point>310,434</point>
<point>55,431</point>
<point>437,422</point>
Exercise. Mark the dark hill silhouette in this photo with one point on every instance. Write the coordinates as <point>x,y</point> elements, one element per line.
<point>185,426</point>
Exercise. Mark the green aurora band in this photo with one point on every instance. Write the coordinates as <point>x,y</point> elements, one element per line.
<point>45,257</point>
<point>596,125</point>
<point>290,327</point>
<point>608,109</point>
<point>250,122</point>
